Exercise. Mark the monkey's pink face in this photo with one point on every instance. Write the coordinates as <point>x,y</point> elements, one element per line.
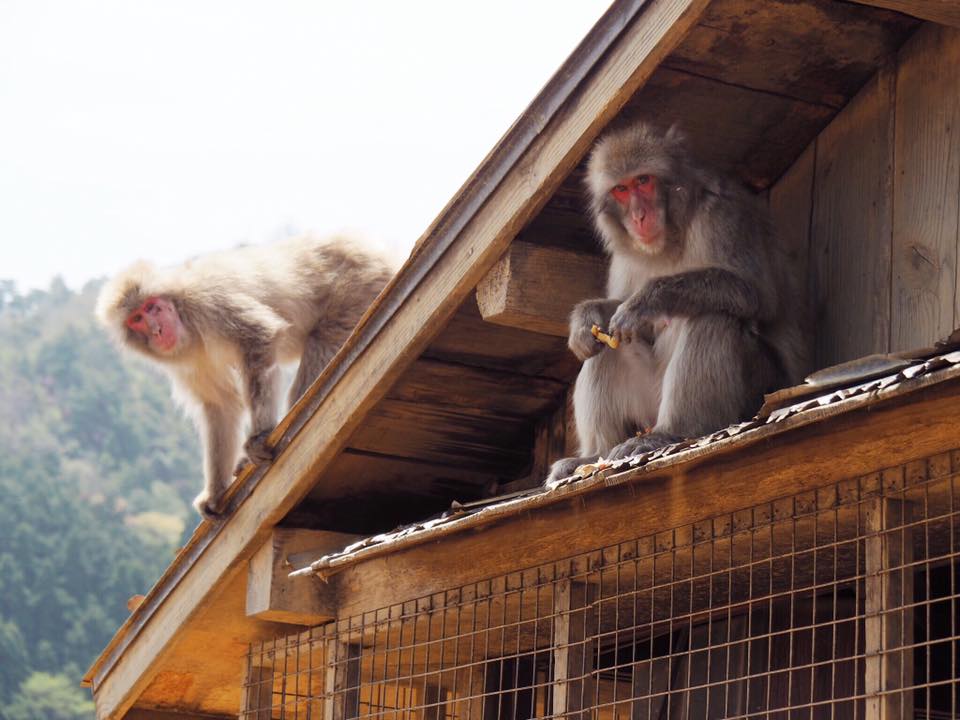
<point>642,216</point>
<point>158,322</point>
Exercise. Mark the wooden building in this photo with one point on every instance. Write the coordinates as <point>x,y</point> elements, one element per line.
<point>803,564</point>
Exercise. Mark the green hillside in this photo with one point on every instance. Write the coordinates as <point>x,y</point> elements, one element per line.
<point>97,469</point>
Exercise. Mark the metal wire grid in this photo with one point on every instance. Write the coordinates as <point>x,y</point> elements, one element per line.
<point>839,602</point>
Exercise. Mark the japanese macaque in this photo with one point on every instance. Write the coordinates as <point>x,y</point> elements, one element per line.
<point>222,324</point>
<point>698,298</point>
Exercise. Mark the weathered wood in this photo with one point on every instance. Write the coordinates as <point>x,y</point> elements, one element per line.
<point>477,390</point>
<point>574,649</point>
<point>851,231</point>
<point>488,444</point>
<point>926,191</point>
<point>791,208</point>
<point>945,12</point>
<point>468,339</point>
<point>272,595</point>
<point>258,693</point>
<point>888,625</point>
<point>149,714</point>
<point>753,135</point>
<point>660,499</point>
<point>623,64</point>
<point>342,681</point>
<point>535,288</point>
<point>820,52</point>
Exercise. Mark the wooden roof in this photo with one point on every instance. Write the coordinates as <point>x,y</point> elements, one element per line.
<point>427,402</point>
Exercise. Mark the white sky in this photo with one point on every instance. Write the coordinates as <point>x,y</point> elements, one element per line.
<point>166,128</point>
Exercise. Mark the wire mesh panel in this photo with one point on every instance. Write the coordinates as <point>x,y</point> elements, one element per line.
<point>839,602</point>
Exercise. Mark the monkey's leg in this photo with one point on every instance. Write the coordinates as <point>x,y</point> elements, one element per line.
<point>616,394</point>
<point>220,434</point>
<point>716,373</point>
<point>263,393</point>
<point>318,349</point>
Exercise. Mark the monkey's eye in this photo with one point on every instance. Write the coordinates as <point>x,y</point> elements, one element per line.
<point>643,179</point>
<point>620,193</point>
<point>138,318</point>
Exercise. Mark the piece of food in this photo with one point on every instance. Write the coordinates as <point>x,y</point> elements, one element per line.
<point>604,338</point>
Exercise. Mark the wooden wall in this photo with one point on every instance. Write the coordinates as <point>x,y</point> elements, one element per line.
<point>871,210</point>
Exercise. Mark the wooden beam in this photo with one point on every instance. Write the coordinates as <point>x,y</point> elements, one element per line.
<point>148,714</point>
<point>272,595</point>
<point>342,682</point>
<point>944,12</point>
<point>258,693</point>
<point>574,649</point>
<point>629,42</point>
<point>661,498</point>
<point>533,287</point>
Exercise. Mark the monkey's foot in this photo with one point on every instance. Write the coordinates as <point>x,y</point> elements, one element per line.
<point>565,468</point>
<point>257,449</point>
<point>242,464</point>
<point>208,506</point>
<point>642,444</point>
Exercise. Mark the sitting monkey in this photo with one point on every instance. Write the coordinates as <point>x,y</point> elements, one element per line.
<point>221,324</point>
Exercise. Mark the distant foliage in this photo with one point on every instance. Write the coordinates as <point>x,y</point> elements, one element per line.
<point>97,469</point>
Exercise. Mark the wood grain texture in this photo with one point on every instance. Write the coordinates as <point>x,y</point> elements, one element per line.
<point>752,135</point>
<point>791,208</point>
<point>926,193</point>
<point>818,51</point>
<point>535,288</point>
<point>851,230</point>
<point>945,12</point>
<point>909,428</point>
<point>135,660</point>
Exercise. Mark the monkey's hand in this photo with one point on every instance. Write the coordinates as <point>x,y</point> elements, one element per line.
<point>585,315</point>
<point>633,323</point>
<point>257,449</point>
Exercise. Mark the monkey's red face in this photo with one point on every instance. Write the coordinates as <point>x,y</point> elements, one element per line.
<point>639,200</point>
<point>158,322</point>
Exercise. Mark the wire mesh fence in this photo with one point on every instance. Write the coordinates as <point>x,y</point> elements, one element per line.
<point>839,602</point>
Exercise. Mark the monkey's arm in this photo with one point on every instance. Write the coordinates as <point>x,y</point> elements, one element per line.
<point>219,432</point>
<point>262,379</point>
<point>686,294</point>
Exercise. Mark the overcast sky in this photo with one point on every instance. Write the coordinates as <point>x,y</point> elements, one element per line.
<point>165,128</point>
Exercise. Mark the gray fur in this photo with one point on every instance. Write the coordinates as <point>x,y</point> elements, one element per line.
<point>244,312</point>
<point>708,322</point>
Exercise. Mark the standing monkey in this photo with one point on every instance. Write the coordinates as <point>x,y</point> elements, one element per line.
<point>220,325</point>
<point>697,298</point>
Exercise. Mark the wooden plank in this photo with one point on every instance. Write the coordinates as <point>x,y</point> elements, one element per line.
<point>945,12</point>
<point>130,663</point>
<point>468,339</point>
<point>851,231</point>
<point>488,444</point>
<point>811,50</point>
<point>574,649</point>
<point>888,625</point>
<point>926,190</point>
<point>752,135</point>
<point>150,714</point>
<point>659,499</point>
<point>791,208</point>
<point>487,391</point>
<point>535,288</point>
<point>342,680</point>
<point>272,595</point>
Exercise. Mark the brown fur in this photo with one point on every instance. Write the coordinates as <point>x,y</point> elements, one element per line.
<point>244,312</point>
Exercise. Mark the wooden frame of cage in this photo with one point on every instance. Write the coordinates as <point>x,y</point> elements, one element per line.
<point>835,602</point>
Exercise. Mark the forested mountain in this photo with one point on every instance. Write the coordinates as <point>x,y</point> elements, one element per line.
<point>97,468</point>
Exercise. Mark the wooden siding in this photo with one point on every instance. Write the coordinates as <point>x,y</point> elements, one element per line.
<point>884,207</point>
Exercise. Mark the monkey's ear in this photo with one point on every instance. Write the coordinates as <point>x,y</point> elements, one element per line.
<point>122,294</point>
<point>675,137</point>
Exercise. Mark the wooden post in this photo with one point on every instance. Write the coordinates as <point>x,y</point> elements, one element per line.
<point>574,648</point>
<point>887,626</point>
<point>342,696</point>
<point>258,695</point>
